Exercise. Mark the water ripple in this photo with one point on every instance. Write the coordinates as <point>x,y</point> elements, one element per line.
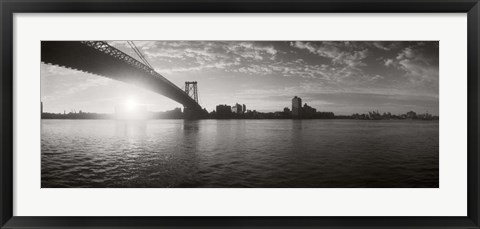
<point>239,153</point>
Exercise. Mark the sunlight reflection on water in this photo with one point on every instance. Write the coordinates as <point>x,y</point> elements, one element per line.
<point>239,153</point>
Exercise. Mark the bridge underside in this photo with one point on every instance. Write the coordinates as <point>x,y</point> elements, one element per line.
<point>112,63</point>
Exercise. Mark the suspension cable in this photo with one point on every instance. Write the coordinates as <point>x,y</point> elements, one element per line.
<point>142,56</point>
<point>139,54</point>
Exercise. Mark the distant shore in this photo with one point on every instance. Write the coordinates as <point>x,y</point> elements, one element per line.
<point>97,116</point>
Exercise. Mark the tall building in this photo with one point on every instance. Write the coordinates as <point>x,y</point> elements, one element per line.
<point>41,107</point>
<point>296,107</point>
<point>244,108</point>
<point>237,108</point>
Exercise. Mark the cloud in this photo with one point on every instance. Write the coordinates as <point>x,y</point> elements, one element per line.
<point>381,45</point>
<point>292,69</point>
<point>339,53</point>
<point>304,45</point>
<point>354,59</point>
<point>416,65</point>
<point>256,58</point>
<point>406,53</point>
<point>339,63</point>
<point>308,71</point>
<point>250,50</point>
<point>220,65</point>
<point>181,56</point>
<point>375,77</point>
<point>347,61</point>
<point>388,62</point>
<point>325,49</point>
<point>418,71</point>
<point>256,69</point>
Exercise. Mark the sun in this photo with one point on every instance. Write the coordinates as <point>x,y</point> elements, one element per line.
<point>131,105</point>
<point>130,109</point>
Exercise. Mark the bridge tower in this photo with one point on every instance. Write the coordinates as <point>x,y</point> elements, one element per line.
<point>191,90</point>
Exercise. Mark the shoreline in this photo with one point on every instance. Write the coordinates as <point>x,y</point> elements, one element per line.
<point>239,119</point>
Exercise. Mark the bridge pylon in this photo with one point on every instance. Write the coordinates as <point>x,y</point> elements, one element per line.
<point>192,90</point>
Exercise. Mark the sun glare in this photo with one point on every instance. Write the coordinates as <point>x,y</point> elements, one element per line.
<point>130,105</point>
<point>131,109</point>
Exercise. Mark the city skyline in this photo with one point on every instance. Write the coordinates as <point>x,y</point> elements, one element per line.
<point>343,77</point>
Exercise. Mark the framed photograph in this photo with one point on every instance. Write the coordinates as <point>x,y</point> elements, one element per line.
<point>260,114</point>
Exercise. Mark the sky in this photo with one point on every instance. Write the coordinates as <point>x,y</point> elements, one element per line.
<point>343,77</point>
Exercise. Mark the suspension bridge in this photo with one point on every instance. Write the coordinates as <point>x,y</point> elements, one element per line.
<point>100,58</point>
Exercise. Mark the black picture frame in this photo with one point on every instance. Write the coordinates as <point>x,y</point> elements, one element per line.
<point>10,7</point>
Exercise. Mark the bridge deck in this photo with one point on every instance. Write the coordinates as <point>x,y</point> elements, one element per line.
<point>99,58</point>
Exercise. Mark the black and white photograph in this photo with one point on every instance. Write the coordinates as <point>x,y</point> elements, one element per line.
<point>239,114</point>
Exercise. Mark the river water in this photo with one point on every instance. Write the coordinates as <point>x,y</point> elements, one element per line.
<point>240,153</point>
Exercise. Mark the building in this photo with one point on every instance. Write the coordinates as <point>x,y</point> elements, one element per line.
<point>308,111</point>
<point>237,109</point>
<point>41,107</point>
<point>244,108</point>
<point>328,115</point>
<point>296,107</point>
<point>223,111</point>
<point>411,115</point>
